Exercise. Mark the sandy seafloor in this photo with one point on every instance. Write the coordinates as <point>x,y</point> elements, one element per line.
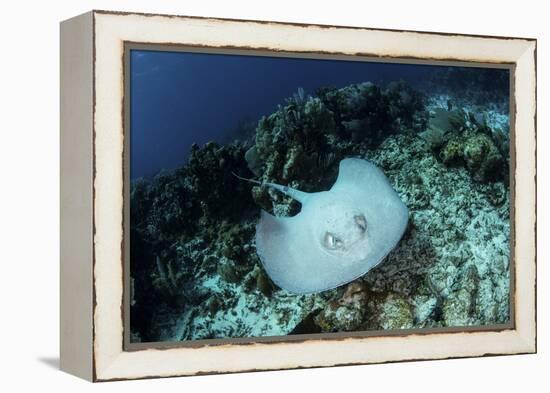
<point>451,268</point>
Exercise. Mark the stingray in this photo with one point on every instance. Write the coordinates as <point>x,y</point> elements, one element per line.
<point>338,236</point>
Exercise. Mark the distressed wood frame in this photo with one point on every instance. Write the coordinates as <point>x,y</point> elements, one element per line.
<point>92,195</point>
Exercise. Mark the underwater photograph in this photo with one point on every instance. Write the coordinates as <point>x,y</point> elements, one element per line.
<point>273,195</point>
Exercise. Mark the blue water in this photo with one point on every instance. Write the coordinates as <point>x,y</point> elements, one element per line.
<point>180,98</point>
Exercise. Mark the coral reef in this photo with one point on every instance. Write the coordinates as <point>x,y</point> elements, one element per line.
<point>174,219</point>
<point>346,312</point>
<point>391,311</point>
<point>463,138</point>
<point>194,267</point>
<point>301,143</point>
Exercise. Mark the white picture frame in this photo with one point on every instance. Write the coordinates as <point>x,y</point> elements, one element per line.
<point>93,195</point>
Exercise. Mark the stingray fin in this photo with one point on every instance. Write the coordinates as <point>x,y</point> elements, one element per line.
<point>356,172</point>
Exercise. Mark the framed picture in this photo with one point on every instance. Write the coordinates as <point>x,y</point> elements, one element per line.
<point>245,195</point>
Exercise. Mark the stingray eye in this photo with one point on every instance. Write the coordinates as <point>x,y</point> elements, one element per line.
<point>332,242</point>
<point>361,222</point>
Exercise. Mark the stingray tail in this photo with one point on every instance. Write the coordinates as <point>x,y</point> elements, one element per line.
<point>298,195</point>
<point>295,194</point>
<point>245,179</point>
